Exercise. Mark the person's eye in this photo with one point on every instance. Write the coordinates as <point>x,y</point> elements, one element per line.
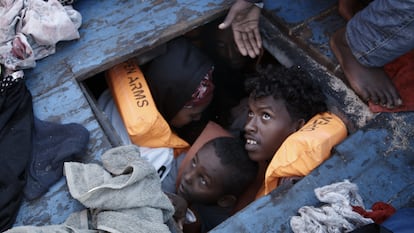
<point>250,114</point>
<point>203,181</point>
<point>266,116</point>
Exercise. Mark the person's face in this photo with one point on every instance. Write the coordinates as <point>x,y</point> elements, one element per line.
<point>268,125</point>
<point>226,49</point>
<point>202,179</point>
<point>187,115</point>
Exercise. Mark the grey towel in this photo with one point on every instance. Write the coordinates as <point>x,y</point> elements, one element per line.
<point>128,193</point>
<point>122,196</point>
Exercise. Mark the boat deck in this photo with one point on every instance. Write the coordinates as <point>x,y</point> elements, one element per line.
<point>377,155</point>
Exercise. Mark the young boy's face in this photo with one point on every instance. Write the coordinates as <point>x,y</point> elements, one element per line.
<point>268,125</point>
<point>202,179</point>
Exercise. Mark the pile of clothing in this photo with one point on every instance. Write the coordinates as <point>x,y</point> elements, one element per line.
<point>343,211</point>
<point>32,151</point>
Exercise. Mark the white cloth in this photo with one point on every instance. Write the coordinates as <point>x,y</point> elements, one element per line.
<point>39,25</point>
<point>336,216</point>
<point>161,158</point>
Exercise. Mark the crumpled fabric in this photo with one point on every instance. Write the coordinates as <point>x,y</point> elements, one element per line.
<point>34,27</point>
<point>336,216</point>
<point>127,191</point>
<point>379,211</point>
<point>53,144</point>
<point>123,196</point>
<point>16,127</point>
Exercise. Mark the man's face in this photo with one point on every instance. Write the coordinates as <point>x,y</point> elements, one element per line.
<point>202,179</point>
<point>187,115</point>
<point>268,125</point>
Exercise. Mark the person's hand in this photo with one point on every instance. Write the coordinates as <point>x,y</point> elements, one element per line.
<point>180,206</point>
<point>243,17</point>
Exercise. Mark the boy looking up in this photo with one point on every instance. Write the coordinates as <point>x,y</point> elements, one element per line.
<point>214,178</point>
<point>281,103</point>
<point>218,172</point>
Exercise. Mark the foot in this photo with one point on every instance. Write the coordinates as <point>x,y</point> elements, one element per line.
<point>370,83</point>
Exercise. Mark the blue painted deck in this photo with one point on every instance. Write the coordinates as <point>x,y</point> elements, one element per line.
<point>377,155</point>
<point>378,158</point>
<point>297,32</point>
<point>111,32</point>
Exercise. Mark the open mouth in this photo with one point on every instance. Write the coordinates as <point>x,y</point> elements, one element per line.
<point>251,142</point>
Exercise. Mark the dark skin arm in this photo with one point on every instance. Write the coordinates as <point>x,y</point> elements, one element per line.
<point>180,206</point>
<point>243,17</point>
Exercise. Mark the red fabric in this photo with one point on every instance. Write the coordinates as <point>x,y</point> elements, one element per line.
<point>379,213</point>
<point>401,72</point>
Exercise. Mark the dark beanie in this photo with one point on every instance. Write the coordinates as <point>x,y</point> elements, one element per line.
<point>53,144</point>
<point>175,75</point>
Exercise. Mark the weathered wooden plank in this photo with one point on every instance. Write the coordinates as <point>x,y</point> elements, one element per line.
<point>341,98</point>
<point>378,158</point>
<point>53,208</point>
<point>111,32</point>
<point>114,31</point>
<point>63,104</point>
<point>313,37</point>
<point>291,14</point>
<point>309,24</point>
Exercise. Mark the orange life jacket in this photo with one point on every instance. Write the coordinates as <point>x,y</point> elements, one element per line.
<point>145,125</point>
<point>304,150</point>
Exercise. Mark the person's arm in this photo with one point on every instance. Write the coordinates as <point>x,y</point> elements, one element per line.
<point>243,17</point>
<point>180,206</point>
